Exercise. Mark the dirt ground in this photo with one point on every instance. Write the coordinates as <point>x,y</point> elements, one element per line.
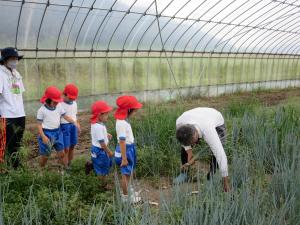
<point>160,189</point>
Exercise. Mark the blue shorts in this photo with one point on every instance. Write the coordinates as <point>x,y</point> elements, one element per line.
<point>70,134</point>
<point>101,161</point>
<point>56,141</point>
<point>131,158</point>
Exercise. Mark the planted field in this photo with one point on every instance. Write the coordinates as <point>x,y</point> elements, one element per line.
<point>262,146</point>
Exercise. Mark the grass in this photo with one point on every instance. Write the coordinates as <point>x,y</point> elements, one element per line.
<point>263,151</point>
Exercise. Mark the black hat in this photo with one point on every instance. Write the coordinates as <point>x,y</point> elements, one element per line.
<point>9,52</point>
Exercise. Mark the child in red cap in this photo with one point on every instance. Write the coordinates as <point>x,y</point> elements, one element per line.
<point>50,135</point>
<point>125,154</point>
<point>100,152</point>
<point>69,130</point>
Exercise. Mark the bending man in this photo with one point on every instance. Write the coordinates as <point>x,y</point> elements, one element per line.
<point>206,123</point>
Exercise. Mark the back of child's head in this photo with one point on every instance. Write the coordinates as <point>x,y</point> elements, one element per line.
<point>98,108</point>
<point>126,105</point>
<point>71,91</point>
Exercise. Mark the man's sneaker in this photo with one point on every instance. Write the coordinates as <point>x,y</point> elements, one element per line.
<point>124,198</point>
<point>181,178</point>
<point>132,192</point>
<point>132,199</point>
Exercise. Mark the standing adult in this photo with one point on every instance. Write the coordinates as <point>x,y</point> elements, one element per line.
<point>12,111</point>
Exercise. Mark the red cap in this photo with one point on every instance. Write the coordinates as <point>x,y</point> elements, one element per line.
<point>98,108</point>
<point>71,91</point>
<point>125,103</point>
<point>52,93</point>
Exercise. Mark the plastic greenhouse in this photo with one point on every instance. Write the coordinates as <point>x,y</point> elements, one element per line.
<point>158,49</point>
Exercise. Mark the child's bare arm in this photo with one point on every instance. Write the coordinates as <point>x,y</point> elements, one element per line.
<point>123,152</point>
<point>106,149</point>
<point>41,133</point>
<point>70,120</point>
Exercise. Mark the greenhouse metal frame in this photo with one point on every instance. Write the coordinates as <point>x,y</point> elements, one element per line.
<point>158,49</point>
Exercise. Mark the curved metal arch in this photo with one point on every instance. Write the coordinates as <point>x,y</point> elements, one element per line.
<point>86,16</point>
<point>201,16</point>
<point>40,27</point>
<point>144,33</point>
<point>237,51</point>
<point>292,48</point>
<point>294,51</point>
<point>270,40</point>
<point>273,30</point>
<point>242,28</point>
<point>195,33</point>
<point>18,25</point>
<point>258,52</point>
<point>100,34</point>
<point>99,27</point>
<point>265,33</point>
<point>207,22</point>
<point>289,43</point>
<point>172,32</point>
<point>136,24</point>
<point>167,23</point>
<point>67,42</point>
<point>194,50</point>
<point>120,22</point>
<point>63,23</point>
<point>263,28</point>
<point>290,39</point>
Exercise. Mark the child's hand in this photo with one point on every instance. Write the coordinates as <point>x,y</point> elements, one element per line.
<point>124,162</point>
<point>110,154</point>
<point>78,127</point>
<point>109,136</point>
<point>45,140</point>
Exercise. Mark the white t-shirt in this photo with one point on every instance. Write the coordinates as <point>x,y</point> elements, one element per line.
<point>11,90</point>
<point>71,111</point>
<point>206,120</point>
<point>124,131</point>
<point>99,134</point>
<point>50,118</point>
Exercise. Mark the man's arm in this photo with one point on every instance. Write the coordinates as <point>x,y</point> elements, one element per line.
<point>212,139</point>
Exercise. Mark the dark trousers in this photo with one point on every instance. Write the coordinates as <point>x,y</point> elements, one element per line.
<point>14,133</point>
<point>221,130</point>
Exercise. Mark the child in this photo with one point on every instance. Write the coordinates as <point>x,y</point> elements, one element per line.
<point>125,154</point>
<point>100,152</point>
<point>50,135</point>
<point>69,130</point>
